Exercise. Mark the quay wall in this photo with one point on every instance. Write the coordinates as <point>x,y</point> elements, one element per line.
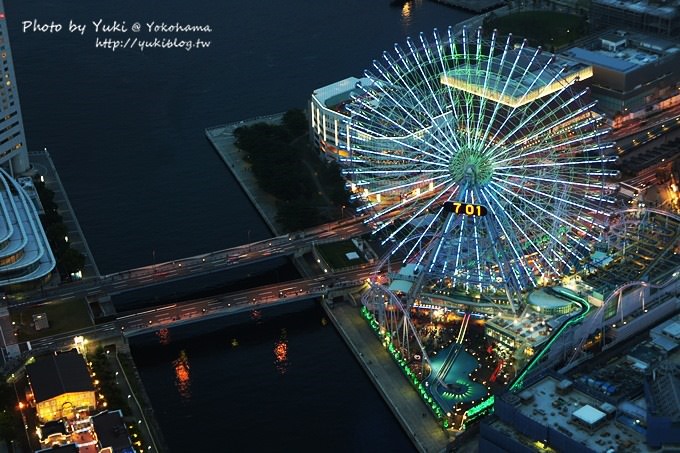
<point>222,139</point>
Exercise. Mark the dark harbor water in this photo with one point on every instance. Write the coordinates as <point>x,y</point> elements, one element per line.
<point>273,382</point>
<point>126,131</point>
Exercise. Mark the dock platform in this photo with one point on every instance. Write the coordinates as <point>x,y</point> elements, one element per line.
<point>222,139</point>
<point>411,412</point>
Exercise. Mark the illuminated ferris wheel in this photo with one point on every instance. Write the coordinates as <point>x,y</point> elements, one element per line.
<point>481,159</point>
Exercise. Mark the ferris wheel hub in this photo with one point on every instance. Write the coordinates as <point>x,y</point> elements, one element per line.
<point>472,166</point>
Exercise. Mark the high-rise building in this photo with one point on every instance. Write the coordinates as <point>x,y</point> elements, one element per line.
<point>25,254</point>
<point>13,151</point>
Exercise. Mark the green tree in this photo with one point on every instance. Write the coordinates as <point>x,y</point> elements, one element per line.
<point>295,122</point>
<point>297,214</point>
<point>71,261</point>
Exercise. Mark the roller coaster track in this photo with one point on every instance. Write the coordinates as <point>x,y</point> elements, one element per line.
<point>518,381</point>
<point>619,289</point>
<point>455,349</point>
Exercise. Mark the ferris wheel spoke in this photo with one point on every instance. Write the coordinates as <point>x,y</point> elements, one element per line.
<point>386,94</point>
<point>475,240</point>
<point>529,118</point>
<point>407,171</point>
<point>453,103</point>
<point>419,182</point>
<point>523,231</point>
<point>498,211</point>
<point>559,218</point>
<point>542,196</point>
<point>495,240</point>
<point>544,230</point>
<point>588,136</point>
<point>483,100</point>
<point>517,85</point>
<point>497,105</point>
<point>431,222</point>
<point>446,230</point>
<point>415,97</point>
<point>401,204</point>
<point>413,216</point>
<point>566,158</point>
<point>427,78</point>
<point>466,96</point>
<point>574,162</point>
<point>591,185</point>
<point>508,78</point>
<point>398,140</point>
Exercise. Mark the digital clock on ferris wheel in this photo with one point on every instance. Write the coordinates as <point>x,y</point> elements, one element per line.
<point>472,210</point>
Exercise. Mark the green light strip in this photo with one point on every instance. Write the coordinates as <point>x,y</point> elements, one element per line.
<point>401,361</point>
<point>585,309</point>
<point>480,409</point>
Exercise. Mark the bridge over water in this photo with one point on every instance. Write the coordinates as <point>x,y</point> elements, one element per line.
<point>191,311</point>
<point>199,265</point>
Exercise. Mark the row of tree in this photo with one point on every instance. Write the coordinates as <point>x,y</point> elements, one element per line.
<point>107,380</point>
<point>69,260</point>
<point>286,166</point>
<point>11,424</point>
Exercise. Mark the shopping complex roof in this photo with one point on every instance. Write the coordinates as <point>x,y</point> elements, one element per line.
<point>520,79</point>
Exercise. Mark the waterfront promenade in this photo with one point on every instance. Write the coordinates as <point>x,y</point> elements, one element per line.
<point>413,415</point>
<point>42,163</point>
<point>222,139</point>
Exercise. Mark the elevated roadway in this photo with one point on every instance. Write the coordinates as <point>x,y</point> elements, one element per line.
<point>199,265</point>
<point>190,311</point>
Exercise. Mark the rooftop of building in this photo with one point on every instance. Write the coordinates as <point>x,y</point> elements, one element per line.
<point>580,416</point>
<point>669,9</point>
<point>52,375</point>
<point>664,386</point>
<point>337,94</point>
<point>604,403</point>
<point>545,300</point>
<point>111,430</point>
<point>531,327</point>
<point>23,239</point>
<point>643,246</point>
<point>622,51</point>
<point>527,85</point>
<point>669,328</point>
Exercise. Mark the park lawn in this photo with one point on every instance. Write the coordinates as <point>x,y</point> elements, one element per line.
<point>550,29</point>
<point>63,316</point>
<point>334,254</point>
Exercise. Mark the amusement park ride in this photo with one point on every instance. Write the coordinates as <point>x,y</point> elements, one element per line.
<point>481,162</point>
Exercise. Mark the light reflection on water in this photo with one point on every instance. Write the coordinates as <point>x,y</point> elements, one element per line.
<point>163,337</point>
<point>182,376</point>
<point>281,353</point>
<point>408,9</point>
